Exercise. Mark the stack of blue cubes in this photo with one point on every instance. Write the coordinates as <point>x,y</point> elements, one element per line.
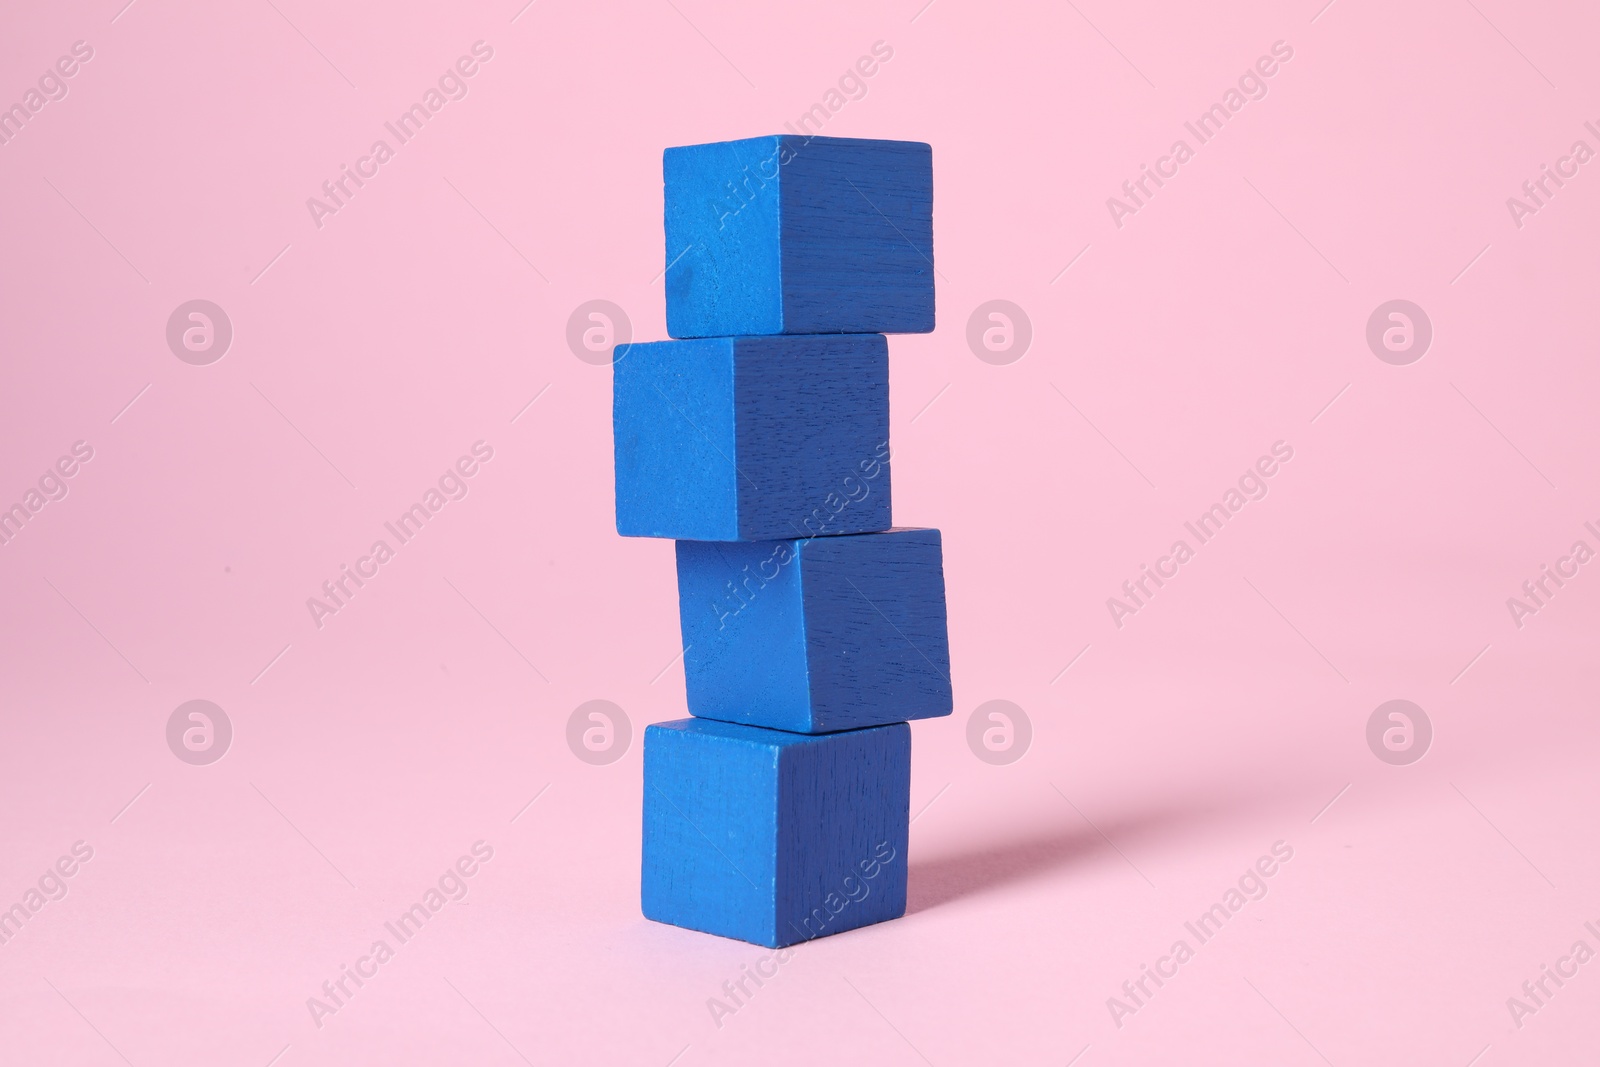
<point>813,629</point>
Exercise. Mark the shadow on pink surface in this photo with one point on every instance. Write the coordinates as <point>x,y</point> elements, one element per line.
<point>989,866</point>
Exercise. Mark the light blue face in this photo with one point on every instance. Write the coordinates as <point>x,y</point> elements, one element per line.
<point>673,423</point>
<point>773,837</point>
<point>744,633</point>
<point>723,252</point>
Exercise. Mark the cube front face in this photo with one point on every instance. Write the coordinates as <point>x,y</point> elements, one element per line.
<point>747,438</point>
<point>744,634</point>
<point>672,420</point>
<point>774,838</point>
<point>795,235</point>
<point>816,635</point>
<point>710,831</point>
<point>723,275</point>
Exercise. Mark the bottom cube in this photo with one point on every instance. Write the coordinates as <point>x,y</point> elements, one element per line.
<point>772,837</point>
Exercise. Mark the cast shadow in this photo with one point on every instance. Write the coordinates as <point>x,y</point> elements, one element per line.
<point>996,864</point>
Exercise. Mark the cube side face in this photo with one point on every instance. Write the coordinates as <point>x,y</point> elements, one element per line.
<point>812,423</point>
<point>672,422</point>
<point>877,641</point>
<point>856,233</point>
<point>710,830</point>
<point>843,818</point>
<point>739,606</point>
<point>721,218</point>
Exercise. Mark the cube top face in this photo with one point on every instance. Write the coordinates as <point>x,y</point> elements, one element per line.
<point>816,635</point>
<point>749,438</point>
<point>774,838</point>
<point>787,235</point>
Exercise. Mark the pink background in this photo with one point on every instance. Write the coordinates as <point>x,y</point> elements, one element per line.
<point>370,353</point>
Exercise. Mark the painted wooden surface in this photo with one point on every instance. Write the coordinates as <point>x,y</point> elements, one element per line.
<point>773,837</point>
<point>759,441</point>
<point>819,634</point>
<point>786,234</point>
<point>752,438</point>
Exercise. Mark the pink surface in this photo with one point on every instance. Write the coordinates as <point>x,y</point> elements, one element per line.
<point>1227,313</point>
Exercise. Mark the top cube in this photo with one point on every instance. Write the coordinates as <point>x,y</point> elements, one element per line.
<point>785,234</point>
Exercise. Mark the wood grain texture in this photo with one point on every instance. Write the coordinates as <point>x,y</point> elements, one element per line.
<point>786,234</point>
<point>752,438</point>
<point>819,634</point>
<point>772,837</point>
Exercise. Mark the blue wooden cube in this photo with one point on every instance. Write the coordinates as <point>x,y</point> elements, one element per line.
<point>791,234</point>
<point>818,634</point>
<point>751,438</point>
<point>772,837</point>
